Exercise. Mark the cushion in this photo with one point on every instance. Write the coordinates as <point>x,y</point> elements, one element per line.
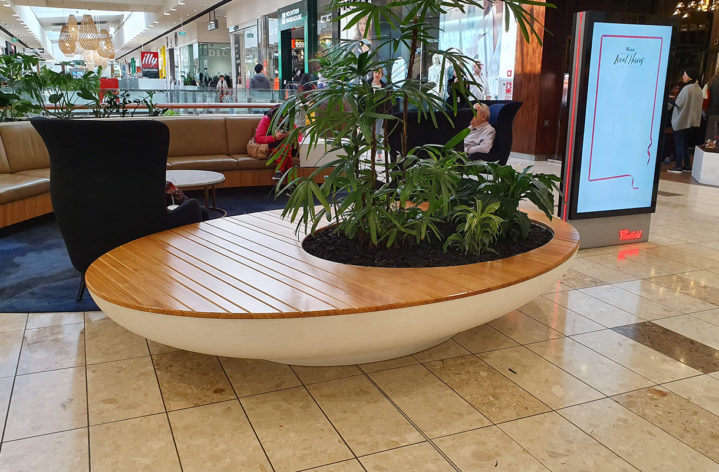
<point>247,162</point>
<point>240,130</point>
<point>15,187</point>
<point>213,162</point>
<point>24,147</point>
<point>193,136</point>
<point>44,173</point>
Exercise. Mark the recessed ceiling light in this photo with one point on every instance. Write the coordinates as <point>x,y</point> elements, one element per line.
<point>165,13</point>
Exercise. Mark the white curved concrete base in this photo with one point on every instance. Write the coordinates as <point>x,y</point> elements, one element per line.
<point>332,340</point>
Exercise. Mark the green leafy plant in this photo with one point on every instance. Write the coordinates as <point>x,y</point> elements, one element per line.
<point>15,97</point>
<point>507,187</point>
<point>63,91</point>
<point>412,199</point>
<point>477,227</point>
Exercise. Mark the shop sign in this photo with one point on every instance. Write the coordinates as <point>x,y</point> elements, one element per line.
<point>292,16</point>
<point>298,44</point>
<point>182,33</point>
<point>150,64</point>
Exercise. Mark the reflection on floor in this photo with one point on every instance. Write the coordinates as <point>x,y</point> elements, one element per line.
<point>615,368</point>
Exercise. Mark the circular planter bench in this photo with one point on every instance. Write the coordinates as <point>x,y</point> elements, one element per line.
<point>244,287</point>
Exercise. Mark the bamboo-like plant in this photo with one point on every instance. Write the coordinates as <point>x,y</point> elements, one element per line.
<point>399,202</point>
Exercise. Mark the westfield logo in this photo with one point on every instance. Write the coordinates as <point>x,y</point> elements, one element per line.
<point>149,60</point>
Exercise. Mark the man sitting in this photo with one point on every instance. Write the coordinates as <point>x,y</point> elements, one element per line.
<point>481,137</point>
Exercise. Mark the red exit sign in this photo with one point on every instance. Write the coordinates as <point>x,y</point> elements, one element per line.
<point>628,235</point>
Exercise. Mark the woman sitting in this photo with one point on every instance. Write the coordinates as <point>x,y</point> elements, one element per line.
<point>282,152</point>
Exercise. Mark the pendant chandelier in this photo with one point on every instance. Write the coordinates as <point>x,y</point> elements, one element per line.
<point>72,27</point>
<point>87,35</point>
<point>684,9</point>
<point>66,43</point>
<point>105,48</point>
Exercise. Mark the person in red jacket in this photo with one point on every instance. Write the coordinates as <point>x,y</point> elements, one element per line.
<point>274,142</point>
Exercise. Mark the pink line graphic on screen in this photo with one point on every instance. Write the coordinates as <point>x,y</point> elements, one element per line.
<point>596,100</point>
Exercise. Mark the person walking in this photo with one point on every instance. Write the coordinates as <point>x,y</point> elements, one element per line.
<point>259,81</point>
<point>687,114</point>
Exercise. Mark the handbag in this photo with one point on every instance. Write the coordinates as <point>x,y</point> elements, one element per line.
<point>258,151</point>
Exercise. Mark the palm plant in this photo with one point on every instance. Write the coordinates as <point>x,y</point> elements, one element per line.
<point>392,202</point>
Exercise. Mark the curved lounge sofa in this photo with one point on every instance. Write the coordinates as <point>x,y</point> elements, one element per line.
<point>244,287</point>
<point>205,142</point>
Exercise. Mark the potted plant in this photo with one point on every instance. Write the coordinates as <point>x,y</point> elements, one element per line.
<point>431,197</point>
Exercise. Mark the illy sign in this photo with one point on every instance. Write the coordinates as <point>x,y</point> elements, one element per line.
<point>150,62</point>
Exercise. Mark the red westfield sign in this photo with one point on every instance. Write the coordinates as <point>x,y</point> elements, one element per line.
<point>628,235</point>
<point>150,62</point>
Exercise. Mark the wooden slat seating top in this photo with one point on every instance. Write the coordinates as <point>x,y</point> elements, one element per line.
<point>253,267</point>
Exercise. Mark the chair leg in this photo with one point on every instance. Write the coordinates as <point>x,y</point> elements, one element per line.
<point>81,290</point>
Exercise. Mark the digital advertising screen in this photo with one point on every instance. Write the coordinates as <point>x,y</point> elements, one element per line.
<point>617,148</point>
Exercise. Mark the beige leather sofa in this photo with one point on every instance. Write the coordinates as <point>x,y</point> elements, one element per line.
<point>208,142</point>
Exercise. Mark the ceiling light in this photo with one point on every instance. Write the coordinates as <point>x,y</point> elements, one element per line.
<point>165,13</point>
<point>173,8</point>
<point>181,2</point>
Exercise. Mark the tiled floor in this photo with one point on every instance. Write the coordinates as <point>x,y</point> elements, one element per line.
<point>616,368</point>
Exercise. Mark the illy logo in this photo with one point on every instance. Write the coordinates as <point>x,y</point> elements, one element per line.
<point>150,60</point>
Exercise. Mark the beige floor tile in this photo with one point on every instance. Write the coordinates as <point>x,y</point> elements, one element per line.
<point>54,347</point>
<point>10,343</point>
<point>189,379</point>
<point>446,350</point>
<point>12,322</point>
<point>702,390</point>
<point>158,348</point>
<point>293,430</point>
<point>58,452</point>
<point>47,402</point>
<point>592,368</point>
<point>488,449</point>
<point>5,391</point>
<point>629,302</point>
<point>217,437</point>
<point>544,380</point>
<point>704,277</point>
<point>596,310</point>
<point>665,296</point>
<point>42,320</point>
<point>482,339</point>
<point>558,317</point>
<point>710,316</point>
<point>435,408</point>
<point>137,445</point>
<point>388,364</point>
<point>310,375</point>
<point>573,280</point>
<point>363,416</point>
<point>637,441</point>
<point>122,389</point>
<point>627,266</point>
<point>694,328</point>
<point>94,316</point>
<point>407,459</point>
<point>561,446</point>
<point>522,328</point>
<point>635,356</point>
<point>679,253</point>
<point>346,466</point>
<point>496,397</point>
<point>686,421</point>
<point>599,271</point>
<point>108,341</point>
<point>560,287</point>
<point>253,376</point>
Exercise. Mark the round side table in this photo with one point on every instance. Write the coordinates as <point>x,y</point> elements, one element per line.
<point>198,180</point>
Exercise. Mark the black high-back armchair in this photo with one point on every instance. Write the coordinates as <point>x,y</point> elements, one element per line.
<point>501,116</point>
<point>107,184</point>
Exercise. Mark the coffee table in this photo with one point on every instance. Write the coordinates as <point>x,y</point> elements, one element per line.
<point>198,180</point>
